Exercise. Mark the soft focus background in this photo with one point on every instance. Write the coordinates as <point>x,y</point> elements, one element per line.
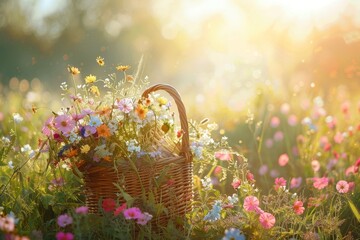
<point>229,59</point>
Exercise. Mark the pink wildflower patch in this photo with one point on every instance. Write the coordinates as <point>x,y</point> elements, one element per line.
<point>132,213</point>
<point>298,207</point>
<point>320,183</point>
<point>64,236</point>
<point>342,186</point>
<point>283,159</point>
<point>267,220</point>
<point>251,203</point>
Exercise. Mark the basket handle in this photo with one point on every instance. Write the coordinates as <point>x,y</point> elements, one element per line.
<point>185,148</point>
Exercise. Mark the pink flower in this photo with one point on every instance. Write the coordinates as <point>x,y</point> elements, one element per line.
<point>351,186</point>
<point>279,182</point>
<point>223,155</point>
<point>125,105</point>
<point>7,223</point>
<point>295,182</point>
<point>89,130</point>
<point>64,123</point>
<point>345,107</point>
<point>132,213</point>
<point>342,186</point>
<point>217,169</point>
<point>274,122</point>
<point>298,207</point>
<point>251,203</point>
<point>82,210</point>
<point>283,159</point>
<point>120,209</point>
<point>108,204</point>
<point>64,220</point>
<point>338,138</point>
<point>350,170</point>
<point>292,120</point>
<point>144,218</point>
<point>77,117</point>
<point>263,169</point>
<point>250,177</point>
<point>320,183</point>
<point>236,183</point>
<point>267,220</point>
<point>315,165</point>
<point>64,236</point>
<point>46,130</point>
<point>269,143</point>
<point>278,136</point>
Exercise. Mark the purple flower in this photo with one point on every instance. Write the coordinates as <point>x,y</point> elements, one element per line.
<point>82,210</point>
<point>64,220</point>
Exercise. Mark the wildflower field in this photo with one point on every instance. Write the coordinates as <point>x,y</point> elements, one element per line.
<point>293,174</point>
<point>179,119</point>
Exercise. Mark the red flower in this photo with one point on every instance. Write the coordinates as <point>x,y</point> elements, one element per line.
<point>120,209</point>
<point>108,204</point>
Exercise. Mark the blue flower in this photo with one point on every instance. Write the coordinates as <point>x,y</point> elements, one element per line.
<point>95,121</point>
<point>214,213</point>
<point>233,233</point>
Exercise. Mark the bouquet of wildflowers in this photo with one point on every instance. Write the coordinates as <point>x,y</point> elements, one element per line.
<point>110,128</point>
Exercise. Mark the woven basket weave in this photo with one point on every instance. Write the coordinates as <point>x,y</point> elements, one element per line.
<point>176,197</point>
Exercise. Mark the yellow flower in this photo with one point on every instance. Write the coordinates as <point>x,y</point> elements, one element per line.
<point>85,149</point>
<point>162,100</point>
<point>122,67</point>
<point>73,70</point>
<point>100,61</point>
<point>94,90</point>
<point>90,79</point>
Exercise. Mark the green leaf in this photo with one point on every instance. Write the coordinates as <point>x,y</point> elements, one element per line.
<point>354,210</point>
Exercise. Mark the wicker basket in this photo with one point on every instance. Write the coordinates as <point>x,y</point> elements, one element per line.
<point>175,197</point>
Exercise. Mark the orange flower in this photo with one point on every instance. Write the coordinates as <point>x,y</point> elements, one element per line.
<point>71,153</point>
<point>141,111</point>
<point>104,111</point>
<point>107,158</point>
<point>103,131</point>
<point>129,78</point>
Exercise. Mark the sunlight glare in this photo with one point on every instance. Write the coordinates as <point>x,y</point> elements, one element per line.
<point>305,8</point>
